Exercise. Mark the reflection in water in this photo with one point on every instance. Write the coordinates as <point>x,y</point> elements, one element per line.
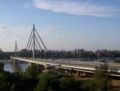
<point>8,66</point>
<point>23,66</point>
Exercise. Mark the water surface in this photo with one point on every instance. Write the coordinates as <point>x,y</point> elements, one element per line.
<point>10,67</point>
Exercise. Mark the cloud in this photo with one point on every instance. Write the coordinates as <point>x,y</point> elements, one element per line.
<point>4,28</point>
<point>77,7</point>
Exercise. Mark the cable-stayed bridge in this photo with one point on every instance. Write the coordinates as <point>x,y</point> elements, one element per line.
<point>35,43</point>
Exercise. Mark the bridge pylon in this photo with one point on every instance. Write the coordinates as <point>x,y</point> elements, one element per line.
<point>35,42</point>
<point>15,51</point>
<point>16,48</point>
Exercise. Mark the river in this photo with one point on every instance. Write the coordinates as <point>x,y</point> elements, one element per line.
<point>21,66</point>
<point>8,66</point>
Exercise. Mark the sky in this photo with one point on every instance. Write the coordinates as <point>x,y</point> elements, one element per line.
<point>62,24</point>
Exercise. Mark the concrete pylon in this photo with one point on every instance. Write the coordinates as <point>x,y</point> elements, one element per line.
<point>15,50</point>
<point>35,42</point>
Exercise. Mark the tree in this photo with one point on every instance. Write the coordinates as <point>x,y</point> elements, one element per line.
<point>32,70</point>
<point>4,85</point>
<point>69,84</point>
<point>101,78</point>
<point>1,66</point>
<point>47,82</point>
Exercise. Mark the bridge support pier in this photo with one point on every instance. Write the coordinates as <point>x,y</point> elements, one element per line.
<point>14,61</point>
<point>46,68</point>
<point>71,72</point>
<point>77,73</point>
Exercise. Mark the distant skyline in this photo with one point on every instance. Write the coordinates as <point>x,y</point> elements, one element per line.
<point>62,24</point>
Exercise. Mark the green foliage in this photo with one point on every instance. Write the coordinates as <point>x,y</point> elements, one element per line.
<point>69,84</point>
<point>4,85</point>
<point>101,78</point>
<point>88,85</point>
<point>1,66</point>
<point>47,82</point>
<point>101,81</point>
<point>53,82</point>
<point>32,70</point>
<point>16,82</point>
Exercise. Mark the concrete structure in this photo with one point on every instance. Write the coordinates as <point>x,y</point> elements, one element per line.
<point>84,67</point>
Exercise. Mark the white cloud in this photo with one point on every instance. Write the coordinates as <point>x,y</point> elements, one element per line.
<point>79,7</point>
<point>3,28</point>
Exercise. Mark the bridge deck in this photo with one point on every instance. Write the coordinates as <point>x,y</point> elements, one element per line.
<point>77,65</point>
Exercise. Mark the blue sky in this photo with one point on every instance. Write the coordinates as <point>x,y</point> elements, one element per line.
<point>62,24</point>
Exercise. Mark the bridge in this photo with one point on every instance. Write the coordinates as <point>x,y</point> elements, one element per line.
<point>78,66</point>
<point>36,43</point>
